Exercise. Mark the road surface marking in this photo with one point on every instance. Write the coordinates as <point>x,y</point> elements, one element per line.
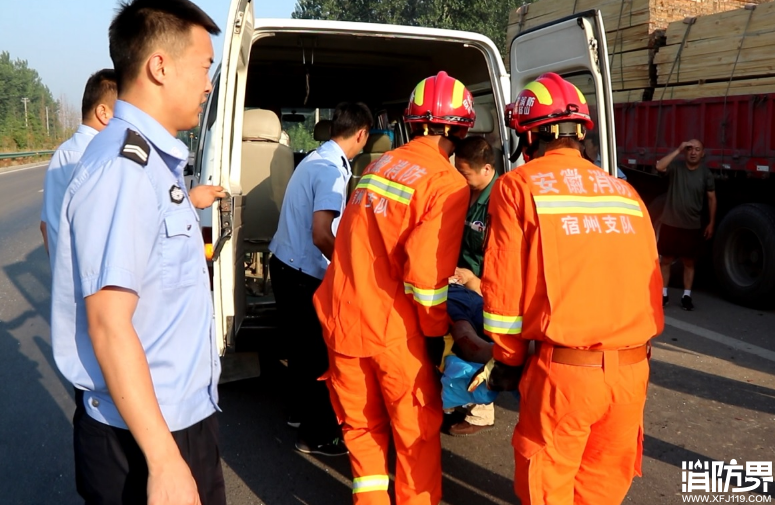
<point>670,353</point>
<point>23,169</point>
<point>721,339</point>
<point>474,489</point>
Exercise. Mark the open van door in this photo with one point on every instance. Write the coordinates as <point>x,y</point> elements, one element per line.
<point>574,47</point>
<point>226,145</point>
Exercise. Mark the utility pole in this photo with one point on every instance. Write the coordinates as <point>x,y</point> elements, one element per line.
<point>25,100</point>
<point>48,133</point>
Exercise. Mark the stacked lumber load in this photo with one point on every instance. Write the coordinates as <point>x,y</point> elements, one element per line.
<point>635,30</point>
<point>729,53</point>
<point>631,32</point>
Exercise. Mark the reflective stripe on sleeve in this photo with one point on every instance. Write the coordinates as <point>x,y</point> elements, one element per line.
<point>387,188</point>
<point>427,297</point>
<point>505,325</point>
<point>574,204</point>
<point>370,483</point>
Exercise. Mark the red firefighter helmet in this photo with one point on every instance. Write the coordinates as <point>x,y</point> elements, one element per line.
<point>441,100</point>
<point>549,100</point>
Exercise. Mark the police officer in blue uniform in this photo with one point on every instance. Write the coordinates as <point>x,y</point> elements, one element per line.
<point>132,316</point>
<point>99,98</point>
<point>301,251</point>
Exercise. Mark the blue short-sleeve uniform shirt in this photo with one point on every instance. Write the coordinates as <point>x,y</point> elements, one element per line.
<point>58,175</point>
<point>318,183</point>
<point>131,225</point>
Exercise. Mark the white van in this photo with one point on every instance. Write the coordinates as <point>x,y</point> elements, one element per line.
<point>274,68</point>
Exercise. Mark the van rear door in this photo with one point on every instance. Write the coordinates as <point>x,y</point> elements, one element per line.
<point>574,47</point>
<point>228,268</point>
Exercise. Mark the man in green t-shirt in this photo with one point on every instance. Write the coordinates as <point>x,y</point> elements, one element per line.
<point>681,234</point>
<point>475,160</point>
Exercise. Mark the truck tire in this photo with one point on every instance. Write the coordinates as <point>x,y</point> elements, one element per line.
<point>744,255</point>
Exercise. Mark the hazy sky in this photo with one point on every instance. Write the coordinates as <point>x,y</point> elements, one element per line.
<point>67,40</point>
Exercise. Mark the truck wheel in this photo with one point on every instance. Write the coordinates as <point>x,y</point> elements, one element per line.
<point>744,255</point>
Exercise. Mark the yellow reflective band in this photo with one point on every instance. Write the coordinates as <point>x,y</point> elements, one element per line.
<point>457,95</point>
<point>387,188</point>
<point>427,297</point>
<point>574,204</point>
<point>370,483</point>
<point>504,325</point>
<point>419,93</point>
<point>581,95</point>
<point>541,93</point>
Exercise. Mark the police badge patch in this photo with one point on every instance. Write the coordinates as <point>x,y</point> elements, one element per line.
<point>176,194</point>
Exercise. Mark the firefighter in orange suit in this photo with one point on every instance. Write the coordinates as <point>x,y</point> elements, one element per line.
<point>385,293</point>
<point>571,264</point>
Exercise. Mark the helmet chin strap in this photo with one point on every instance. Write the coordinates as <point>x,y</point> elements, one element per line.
<point>527,146</point>
<point>530,141</point>
<point>453,137</point>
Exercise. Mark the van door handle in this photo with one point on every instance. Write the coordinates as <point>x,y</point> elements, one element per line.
<point>224,210</point>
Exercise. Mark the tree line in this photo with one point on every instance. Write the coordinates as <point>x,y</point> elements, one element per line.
<point>30,117</point>
<point>488,17</point>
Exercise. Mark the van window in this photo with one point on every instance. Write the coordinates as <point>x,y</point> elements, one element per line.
<point>206,147</point>
<point>300,127</point>
<point>586,85</point>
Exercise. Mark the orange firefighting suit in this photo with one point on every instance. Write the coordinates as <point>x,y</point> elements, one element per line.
<point>384,292</point>
<point>571,262</point>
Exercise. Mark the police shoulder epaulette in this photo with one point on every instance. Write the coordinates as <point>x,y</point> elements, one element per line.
<point>135,148</point>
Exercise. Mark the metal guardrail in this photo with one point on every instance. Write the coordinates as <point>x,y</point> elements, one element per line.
<point>28,154</point>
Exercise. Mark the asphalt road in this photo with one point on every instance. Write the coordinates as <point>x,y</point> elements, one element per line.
<point>712,397</point>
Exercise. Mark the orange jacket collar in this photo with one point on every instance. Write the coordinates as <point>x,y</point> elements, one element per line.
<point>430,143</point>
<point>564,151</point>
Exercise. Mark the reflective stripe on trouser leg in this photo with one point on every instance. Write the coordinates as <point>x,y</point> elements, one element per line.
<point>412,395</point>
<point>366,426</point>
<point>370,483</point>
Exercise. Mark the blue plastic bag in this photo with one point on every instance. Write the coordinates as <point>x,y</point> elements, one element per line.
<point>454,384</point>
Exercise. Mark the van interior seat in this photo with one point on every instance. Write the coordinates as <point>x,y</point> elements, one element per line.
<point>376,145</point>
<point>485,124</point>
<point>322,132</point>
<point>267,166</point>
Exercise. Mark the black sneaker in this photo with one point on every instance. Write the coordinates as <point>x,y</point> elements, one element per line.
<point>665,300</point>
<point>686,302</point>
<point>334,448</point>
<point>293,421</point>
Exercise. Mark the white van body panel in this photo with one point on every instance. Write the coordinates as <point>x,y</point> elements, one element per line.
<point>567,46</point>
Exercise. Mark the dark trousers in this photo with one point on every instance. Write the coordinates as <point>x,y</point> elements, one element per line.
<point>308,354</point>
<point>110,468</point>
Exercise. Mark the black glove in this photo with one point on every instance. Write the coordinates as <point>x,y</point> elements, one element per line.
<point>498,377</point>
<point>504,377</point>
<point>435,347</point>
